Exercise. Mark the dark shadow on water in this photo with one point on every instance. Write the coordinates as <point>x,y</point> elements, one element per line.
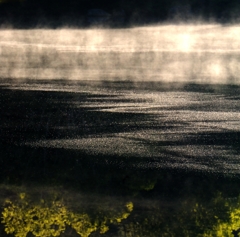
<point>168,200</point>
<point>108,175</point>
<point>30,115</point>
<point>163,197</point>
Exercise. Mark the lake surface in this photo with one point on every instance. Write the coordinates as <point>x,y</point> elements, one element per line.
<point>128,148</point>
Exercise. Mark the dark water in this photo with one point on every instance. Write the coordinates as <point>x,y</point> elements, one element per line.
<point>118,158</point>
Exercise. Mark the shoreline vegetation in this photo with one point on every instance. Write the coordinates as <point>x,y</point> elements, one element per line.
<point>105,13</point>
<point>93,199</point>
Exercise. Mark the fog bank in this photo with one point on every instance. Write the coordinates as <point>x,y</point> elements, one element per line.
<point>206,53</point>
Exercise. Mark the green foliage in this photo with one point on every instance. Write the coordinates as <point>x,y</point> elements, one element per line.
<point>190,217</point>
<point>225,228</point>
<point>51,220</point>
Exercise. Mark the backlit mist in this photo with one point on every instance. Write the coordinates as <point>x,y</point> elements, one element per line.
<point>192,53</point>
<point>120,132</point>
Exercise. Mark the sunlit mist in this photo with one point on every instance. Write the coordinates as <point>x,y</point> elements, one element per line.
<point>193,52</point>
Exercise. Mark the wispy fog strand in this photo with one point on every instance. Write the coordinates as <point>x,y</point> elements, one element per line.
<point>198,53</point>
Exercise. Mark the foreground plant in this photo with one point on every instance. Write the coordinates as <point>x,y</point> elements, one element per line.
<point>51,220</point>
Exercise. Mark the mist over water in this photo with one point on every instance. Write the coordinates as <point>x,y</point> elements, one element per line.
<point>120,132</point>
<point>170,56</point>
<point>207,53</point>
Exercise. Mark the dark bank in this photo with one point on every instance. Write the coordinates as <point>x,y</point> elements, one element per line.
<point>82,13</point>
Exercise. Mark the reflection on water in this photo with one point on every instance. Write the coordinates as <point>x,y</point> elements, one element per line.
<point>119,159</point>
<point>136,153</point>
<point>162,125</point>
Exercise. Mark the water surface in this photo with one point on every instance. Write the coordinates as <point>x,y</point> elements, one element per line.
<point>128,132</point>
<point>119,158</point>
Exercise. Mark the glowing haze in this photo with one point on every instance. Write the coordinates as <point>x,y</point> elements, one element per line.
<point>196,53</point>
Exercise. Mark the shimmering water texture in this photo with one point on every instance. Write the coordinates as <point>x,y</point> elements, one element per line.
<point>195,52</point>
<point>180,126</point>
<point>120,133</point>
